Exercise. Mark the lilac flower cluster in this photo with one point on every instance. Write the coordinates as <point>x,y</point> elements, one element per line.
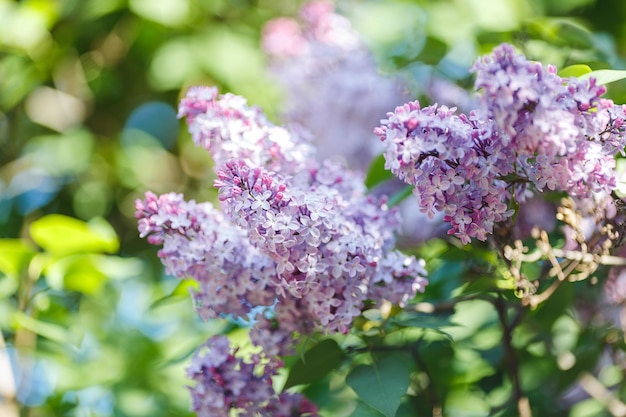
<point>297,238</point>
<point>533,131</point>
<point>230,129</point>
<point>324,69</point>
<point>233,275</point>
<point>226,383</point>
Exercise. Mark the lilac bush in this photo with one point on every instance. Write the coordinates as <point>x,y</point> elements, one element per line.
<point>299,247</point>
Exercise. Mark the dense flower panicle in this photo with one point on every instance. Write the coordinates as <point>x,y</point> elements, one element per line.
<point>229,128</point>
<point>295,235</point>
<point>227,384</point>
<point>277,331</point>
<point>331,84</point>
<point>453,161</point>
<point>328,250</point>
<point>564,135</point>
<point>533,128</point>
<point>233,275</point>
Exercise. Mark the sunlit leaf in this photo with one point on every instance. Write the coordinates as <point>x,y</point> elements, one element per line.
<point>14,255</point>
<point>382,384</point>
<point>424,321</point>
<point>605,76</point>
<point>315,364</point>
<point>574,71</point>
<point>48,330</point>
<point>76,273</point>
<point>179,293</point>
<point>167,12</point>
<point>63,235</point>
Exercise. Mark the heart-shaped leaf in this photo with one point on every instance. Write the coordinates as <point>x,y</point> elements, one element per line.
<point>382,384</point>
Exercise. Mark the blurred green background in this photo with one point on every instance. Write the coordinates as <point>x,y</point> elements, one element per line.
<point>88,93</point>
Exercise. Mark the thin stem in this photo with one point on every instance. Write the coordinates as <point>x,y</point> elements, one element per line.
<point>431,393</point>
<point>523,406</point>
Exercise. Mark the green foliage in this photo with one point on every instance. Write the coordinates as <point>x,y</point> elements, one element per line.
<point>14,255</point>
<point>382,384</point>
<point>315,364</point>
<point>577,70</point>
<point>63,235</point>
<point>605,76</point>
<point>377,173</point>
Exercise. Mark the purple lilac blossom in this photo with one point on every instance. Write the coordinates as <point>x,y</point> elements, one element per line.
<point>533,131</point>
<point>298,235</point>
<point>332,87</point>
<point>227,385</point>
<point>198,243</point>
<point>328,239</point>
<point>230,129</point>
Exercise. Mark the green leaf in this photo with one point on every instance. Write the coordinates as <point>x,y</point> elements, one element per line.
<point>400,196</point>
<point>64,235</point>
<point>382,384</point>
<point>315,364</point>
<point>180,292</point>
<point>76,273</point>
<point>605,76</point>
<point>48,330</point>
<point>364,410</point>
<point>434,51</point>
<point>14,255</point>
<point>573,34</point>
<point>377,173</point>
<point>574,71</point>
<point>423,321</point>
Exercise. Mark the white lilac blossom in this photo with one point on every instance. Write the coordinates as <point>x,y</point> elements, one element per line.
<point>331,84</point>
<point>533,132</point>
<point>227,385</point>
<point>293,234</point>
